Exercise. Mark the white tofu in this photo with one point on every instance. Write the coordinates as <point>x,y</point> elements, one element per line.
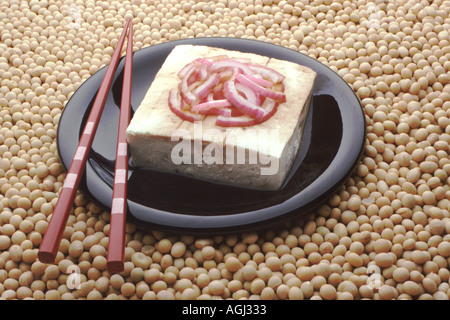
<point>258,156</point>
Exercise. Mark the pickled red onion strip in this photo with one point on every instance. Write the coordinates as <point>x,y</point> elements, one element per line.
<point>226,74</point>
<point>183,72</point>
<point>211,105</point>
<point>259,80</point>
<point>203,72</point>
<point>271,74</point>
<point>235,112</point>
<point>270,107</point>
<point>248,93</point>
<point>230,63</point>
<point>175,105</point>
<point>204,61</point>
<point>242,104</point>
<point>278,96</point>
<point>242,121</point>
<point>186,93</point>
<point>225,112</point>
<point>196,63</point>
<point>202,90</point>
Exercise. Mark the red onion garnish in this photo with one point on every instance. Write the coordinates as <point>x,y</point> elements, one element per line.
<point>239,93</point>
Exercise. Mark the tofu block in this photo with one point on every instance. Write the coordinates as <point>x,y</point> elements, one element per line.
<point>258,156</point>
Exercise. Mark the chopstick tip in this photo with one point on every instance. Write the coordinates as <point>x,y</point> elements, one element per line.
<point>46,257</point>
<point>115,266</point>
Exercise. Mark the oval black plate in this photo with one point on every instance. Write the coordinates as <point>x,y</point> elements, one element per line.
<point>332,142</point>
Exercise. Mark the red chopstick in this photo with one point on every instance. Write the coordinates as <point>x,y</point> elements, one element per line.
<point>52,238</point>
<point>119,203</point>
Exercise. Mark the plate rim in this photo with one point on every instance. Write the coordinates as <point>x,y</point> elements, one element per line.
<point>221,223</point>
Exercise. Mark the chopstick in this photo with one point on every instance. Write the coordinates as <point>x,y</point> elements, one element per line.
<point>119,203</point>
<point>52,238</point>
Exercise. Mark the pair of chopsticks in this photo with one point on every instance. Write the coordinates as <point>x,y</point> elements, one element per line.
<point>52,238</point>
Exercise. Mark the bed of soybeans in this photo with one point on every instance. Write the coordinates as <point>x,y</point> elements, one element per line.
<point>384,234</point>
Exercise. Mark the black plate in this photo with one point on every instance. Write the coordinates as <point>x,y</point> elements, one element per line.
<point>332,142</point>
